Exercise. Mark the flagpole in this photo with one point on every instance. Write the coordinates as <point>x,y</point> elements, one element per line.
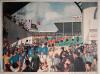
<point>72,28</point>
<point>63,28</point>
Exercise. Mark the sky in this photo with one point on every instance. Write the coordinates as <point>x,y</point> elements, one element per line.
<point>49,13</point>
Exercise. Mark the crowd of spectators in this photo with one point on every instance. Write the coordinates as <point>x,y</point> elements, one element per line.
<point>50,57</point>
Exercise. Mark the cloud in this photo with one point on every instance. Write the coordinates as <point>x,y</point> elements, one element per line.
<point>52,15</point>
<point>50,11</point>
<point>72,10</point>
<point>49,27</point>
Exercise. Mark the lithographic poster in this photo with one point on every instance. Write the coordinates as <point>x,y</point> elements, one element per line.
<point>49,36</point>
